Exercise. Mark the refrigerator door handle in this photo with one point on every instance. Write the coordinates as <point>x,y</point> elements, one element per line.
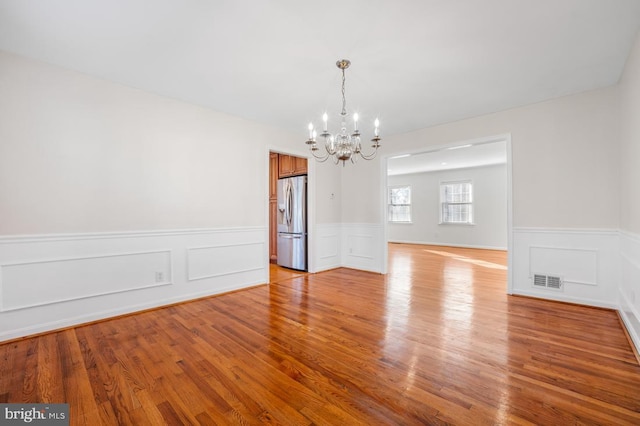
<point>288,203</point>
<point>290,236</point>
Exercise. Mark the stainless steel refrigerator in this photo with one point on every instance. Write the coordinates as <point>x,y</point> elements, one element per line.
<point>292,222</point>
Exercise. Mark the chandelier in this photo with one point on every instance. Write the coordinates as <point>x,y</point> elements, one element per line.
<point>342,145</point>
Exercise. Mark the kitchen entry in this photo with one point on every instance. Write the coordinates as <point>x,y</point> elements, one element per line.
<point>288,211</point>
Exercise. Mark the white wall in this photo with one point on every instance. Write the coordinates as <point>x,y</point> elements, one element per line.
<point>328,192</point>
<point>80,154</point>
<point>489,209</point>
<point>563,158</point>
<point>630,194</point>
<point>630,143</point>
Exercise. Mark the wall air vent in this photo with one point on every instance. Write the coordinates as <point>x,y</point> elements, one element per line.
<point>547,281</point>
<point>540,280</point>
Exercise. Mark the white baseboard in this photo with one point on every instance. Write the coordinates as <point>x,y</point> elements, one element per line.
<point>568,299</point>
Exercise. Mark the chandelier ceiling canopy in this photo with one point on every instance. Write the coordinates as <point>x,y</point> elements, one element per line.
<point>342,146</point>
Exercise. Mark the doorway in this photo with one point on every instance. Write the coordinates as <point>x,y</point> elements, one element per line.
<point>280,166</point>
<point>458,195</point>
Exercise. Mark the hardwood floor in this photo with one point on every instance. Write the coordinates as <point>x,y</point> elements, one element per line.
<point>436,341</point>
<point>279,274</point>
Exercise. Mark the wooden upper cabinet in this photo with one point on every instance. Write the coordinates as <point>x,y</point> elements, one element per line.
<point>285,165</point>
<point>299,166</point>
<point>288,165</point>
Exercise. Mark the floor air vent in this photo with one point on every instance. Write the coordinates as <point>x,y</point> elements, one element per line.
<point>547,281</point>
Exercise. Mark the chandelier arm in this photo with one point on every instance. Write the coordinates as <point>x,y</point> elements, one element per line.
<point>369,156</point>
<point>320,158</point>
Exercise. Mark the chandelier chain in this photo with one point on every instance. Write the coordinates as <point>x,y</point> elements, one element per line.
<point>344,99</point>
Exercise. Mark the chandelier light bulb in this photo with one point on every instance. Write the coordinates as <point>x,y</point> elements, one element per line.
<point>310,130</point>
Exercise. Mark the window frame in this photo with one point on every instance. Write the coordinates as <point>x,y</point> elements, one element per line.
<point>390,205</point>
<point>443,202</point>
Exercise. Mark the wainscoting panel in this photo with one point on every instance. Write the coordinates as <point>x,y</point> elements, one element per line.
<point>363,246</point>
<point>54,281</point>
<point>29,284</point>
<point>630,284</point>
<point>578,266</point>
<point>587,260</point>
<point>328,238</point>
<point>215,261</point>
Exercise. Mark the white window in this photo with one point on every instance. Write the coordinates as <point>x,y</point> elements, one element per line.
<point>456,201</point>
<point>400,204</point>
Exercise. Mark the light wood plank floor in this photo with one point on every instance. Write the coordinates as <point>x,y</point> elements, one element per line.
<point>436,341</point>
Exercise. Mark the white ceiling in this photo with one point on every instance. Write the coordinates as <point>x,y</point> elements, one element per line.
<point>415,63</point>
<point>455,157</point>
